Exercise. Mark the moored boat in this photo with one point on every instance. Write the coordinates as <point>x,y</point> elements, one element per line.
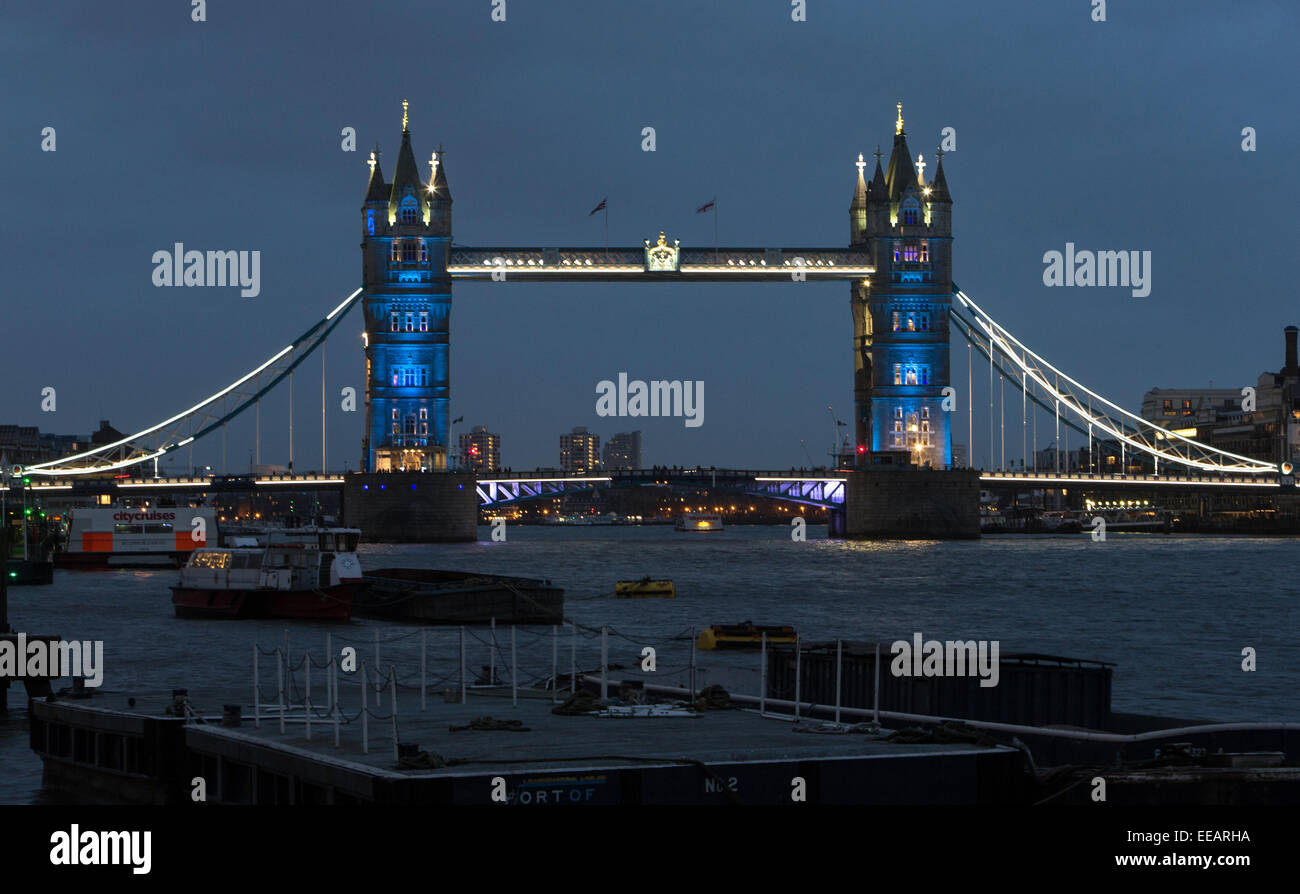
<point>310,573</point>
<point>698,521</point>
<point>745,635</point>
<point>645,588</point>
<point>118,535</point>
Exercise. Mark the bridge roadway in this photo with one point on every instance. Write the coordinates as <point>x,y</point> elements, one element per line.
<point>813,487</point>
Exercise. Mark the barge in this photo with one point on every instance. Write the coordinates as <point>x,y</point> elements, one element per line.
<point>430,596</point>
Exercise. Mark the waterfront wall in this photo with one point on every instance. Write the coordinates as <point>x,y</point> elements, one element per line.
<point>912,504</point>
<point>412,507</point>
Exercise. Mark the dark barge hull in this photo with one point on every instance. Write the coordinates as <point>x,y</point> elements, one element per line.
<point>428,596</point>
<point>330,604</point>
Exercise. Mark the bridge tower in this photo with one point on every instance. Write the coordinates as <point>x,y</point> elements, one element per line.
<point>405,247</point>
<point>900,318</point>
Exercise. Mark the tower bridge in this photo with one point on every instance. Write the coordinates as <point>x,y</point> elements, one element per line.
<point>904,308</point>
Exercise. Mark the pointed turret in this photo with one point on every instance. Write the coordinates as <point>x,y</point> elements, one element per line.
<point>858,209</point>
<point>406,176</point>
<point>376,188</point>
<point>878,191</point>
<point>900,174</point>
<point>939,188</point>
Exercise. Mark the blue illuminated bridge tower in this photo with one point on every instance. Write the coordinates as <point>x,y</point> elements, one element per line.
<point>405,247</point>
<point>900,315</point>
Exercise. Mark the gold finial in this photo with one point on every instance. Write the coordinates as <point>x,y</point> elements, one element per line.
<point>920,169</point>
<point>861,164</point>
<point>404,104</point>
<point>372,162</point>
<point>662,238</point>
<point>898,125</point>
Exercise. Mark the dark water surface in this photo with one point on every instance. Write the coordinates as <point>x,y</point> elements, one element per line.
<point>1173,613</point>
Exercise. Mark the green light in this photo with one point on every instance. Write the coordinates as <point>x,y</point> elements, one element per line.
<point>27,481</point>
<point>13,573</point>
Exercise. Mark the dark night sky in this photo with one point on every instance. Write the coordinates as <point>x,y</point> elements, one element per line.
<point>226,134</point>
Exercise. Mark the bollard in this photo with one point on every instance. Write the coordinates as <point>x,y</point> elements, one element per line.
<point>573,659</point>
<point>492,656</point>
<point>379,689</point>
<point>424,664</point>
<point>762,676</point>
<point>555,645</point>
<point>692,663</point>
<point>514,671</point>
<point>334,697</point>
<point>875,689</point>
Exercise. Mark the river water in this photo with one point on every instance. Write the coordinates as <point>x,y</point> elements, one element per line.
<point>1172,612</point>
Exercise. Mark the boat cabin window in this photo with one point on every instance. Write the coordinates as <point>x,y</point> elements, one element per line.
<point>210,560</point>
<point>246,560</point>
<point>345,543</point>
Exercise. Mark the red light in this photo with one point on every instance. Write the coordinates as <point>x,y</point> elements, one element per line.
<point>862,449</point>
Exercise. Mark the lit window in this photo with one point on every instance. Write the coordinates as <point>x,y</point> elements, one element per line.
<point>898,412</point>
<point>911,323</point>
<point>393,318</point>
<point>925,375</point>
<point>395,428</point>
<point>898,425</point>
<point>895,253</point>
<point>911,375</point>
<point>424,428</point>
<point>424,253</point>
<point>925,412</point>
<point>397,374</point>
<point>397,249</point>
<point>923,322</point>
<point>394,412</point>
<point>424,376</point>
<point>370,222</point>
<point>925,252</point>
<point>424,321</point>
<point>410,322</point>
<point>898,374</point>
<point>409,252</point>
<point>911,253</point>
<point>896,315</point>
<point>410,210</point>
<point>424,413</point>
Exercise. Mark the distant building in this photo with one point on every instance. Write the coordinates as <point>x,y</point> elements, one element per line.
<point>959,456</point>
<point>623,451</point>
<point>480,449</point>
<point>1225,419</point>
<point>26,445</point>
<point>579,451</point>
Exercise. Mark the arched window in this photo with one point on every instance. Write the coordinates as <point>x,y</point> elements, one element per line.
<point>410,212</point>
<point>911,212</point>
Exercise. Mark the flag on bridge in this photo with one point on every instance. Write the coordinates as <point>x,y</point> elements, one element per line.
<point>600,207</point>
<point>706,207</point>
<point>458,419</point>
